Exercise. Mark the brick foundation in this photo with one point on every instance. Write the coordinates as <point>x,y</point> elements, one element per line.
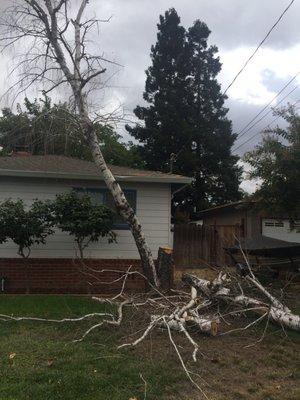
<point>62,276</point>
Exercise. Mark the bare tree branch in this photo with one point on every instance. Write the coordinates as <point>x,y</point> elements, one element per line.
<point>44,28</point>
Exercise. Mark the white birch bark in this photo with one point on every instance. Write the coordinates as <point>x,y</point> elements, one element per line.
<point>204,324</point>
<point>187,316</point>
<point>77,82</point>
<point>277,312</point>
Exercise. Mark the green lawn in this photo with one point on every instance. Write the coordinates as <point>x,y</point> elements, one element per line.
<point>47,365</point>
<point>39,361</point>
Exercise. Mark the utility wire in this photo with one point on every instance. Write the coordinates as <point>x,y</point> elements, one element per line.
<point>258,47</point>
<point>268,112</point>
<point>242,131</point>
<point>174,156</point>
<point>266,127</point>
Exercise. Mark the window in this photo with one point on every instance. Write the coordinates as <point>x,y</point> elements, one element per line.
<point>269,223</point>
<point>277,224</point>
<point>103,196</point>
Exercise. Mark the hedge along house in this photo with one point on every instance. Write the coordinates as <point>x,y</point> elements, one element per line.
<point>53,266</point>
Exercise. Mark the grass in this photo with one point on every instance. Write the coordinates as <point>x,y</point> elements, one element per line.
<point>47,365</point>
<point>39,361</point>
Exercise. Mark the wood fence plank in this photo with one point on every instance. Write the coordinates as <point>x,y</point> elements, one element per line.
<point>195,245</point>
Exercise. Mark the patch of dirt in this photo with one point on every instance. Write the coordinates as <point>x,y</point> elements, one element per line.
<point>203,272</point>
<point>236,366</point>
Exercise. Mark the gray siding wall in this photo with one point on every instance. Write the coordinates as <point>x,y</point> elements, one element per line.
<point>153,210</point>
<point>281,229</point>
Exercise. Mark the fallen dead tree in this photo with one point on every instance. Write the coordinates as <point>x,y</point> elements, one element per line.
<point>273,309</point>
<point>188,313</point>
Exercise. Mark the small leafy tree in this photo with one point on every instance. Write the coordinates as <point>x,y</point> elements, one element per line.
<point>87,222</point>
<point>25,227</point>
<point>276,162</point>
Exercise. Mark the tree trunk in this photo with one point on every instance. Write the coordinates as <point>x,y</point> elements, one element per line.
<point>165,267</point>
<point>203,324</point>
<point>277,312</point>
<point>27,267</point>
<point>121,203</point>
<point>77,82</point>
<point>125,210</point>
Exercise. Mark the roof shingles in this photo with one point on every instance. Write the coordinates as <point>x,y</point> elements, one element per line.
<point>61,165</point>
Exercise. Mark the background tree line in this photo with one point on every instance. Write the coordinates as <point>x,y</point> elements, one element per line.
<point>42,128</point>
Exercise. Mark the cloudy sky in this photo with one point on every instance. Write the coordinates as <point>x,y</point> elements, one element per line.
<point>237,27</point>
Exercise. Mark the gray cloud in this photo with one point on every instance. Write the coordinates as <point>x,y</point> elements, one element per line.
<point>132,30</point>
<point>128,36</point>
<point>241,113</point>
<point>233,22</point>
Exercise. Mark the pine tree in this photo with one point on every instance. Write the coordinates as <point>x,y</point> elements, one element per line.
<point>185,125</point>
<point>215,169</point>
<point>166,86</point>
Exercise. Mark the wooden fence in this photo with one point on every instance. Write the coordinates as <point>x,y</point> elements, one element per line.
<point>197,245</point>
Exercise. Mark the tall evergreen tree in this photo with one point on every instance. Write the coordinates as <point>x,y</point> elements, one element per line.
<point>185,125</point>
<point>166,88</point>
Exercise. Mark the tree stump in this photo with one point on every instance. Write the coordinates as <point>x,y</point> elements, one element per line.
<point>165,267</point>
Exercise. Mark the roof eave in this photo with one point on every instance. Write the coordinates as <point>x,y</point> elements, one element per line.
<point>239,205</point>
<point>171,179</point>
<point>63,175</point>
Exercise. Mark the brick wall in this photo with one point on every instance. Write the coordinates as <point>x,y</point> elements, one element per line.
<point>69,276</point>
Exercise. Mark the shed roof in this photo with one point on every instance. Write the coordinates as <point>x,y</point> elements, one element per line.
<point>267,246</point>
<point>61,167</point>
<point>236,205</point>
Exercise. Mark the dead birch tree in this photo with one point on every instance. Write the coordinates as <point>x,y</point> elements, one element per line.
<point>57,55</point>
<point>273,308</point>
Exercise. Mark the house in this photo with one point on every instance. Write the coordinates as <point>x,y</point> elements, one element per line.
<point>52,265</point>
<point>247,220</point>
<point>266,238</point>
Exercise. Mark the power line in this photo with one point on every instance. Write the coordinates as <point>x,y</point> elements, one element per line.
<point>258,47</point>
<point>173,157</point>
<point>268,112</point>
<point>258,133</point>
<point>241,132</point>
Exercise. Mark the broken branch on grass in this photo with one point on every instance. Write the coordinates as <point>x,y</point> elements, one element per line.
<point>113,321</point>
<point>187,372</point>
<point>60,321</point>
<point>277,312</point>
